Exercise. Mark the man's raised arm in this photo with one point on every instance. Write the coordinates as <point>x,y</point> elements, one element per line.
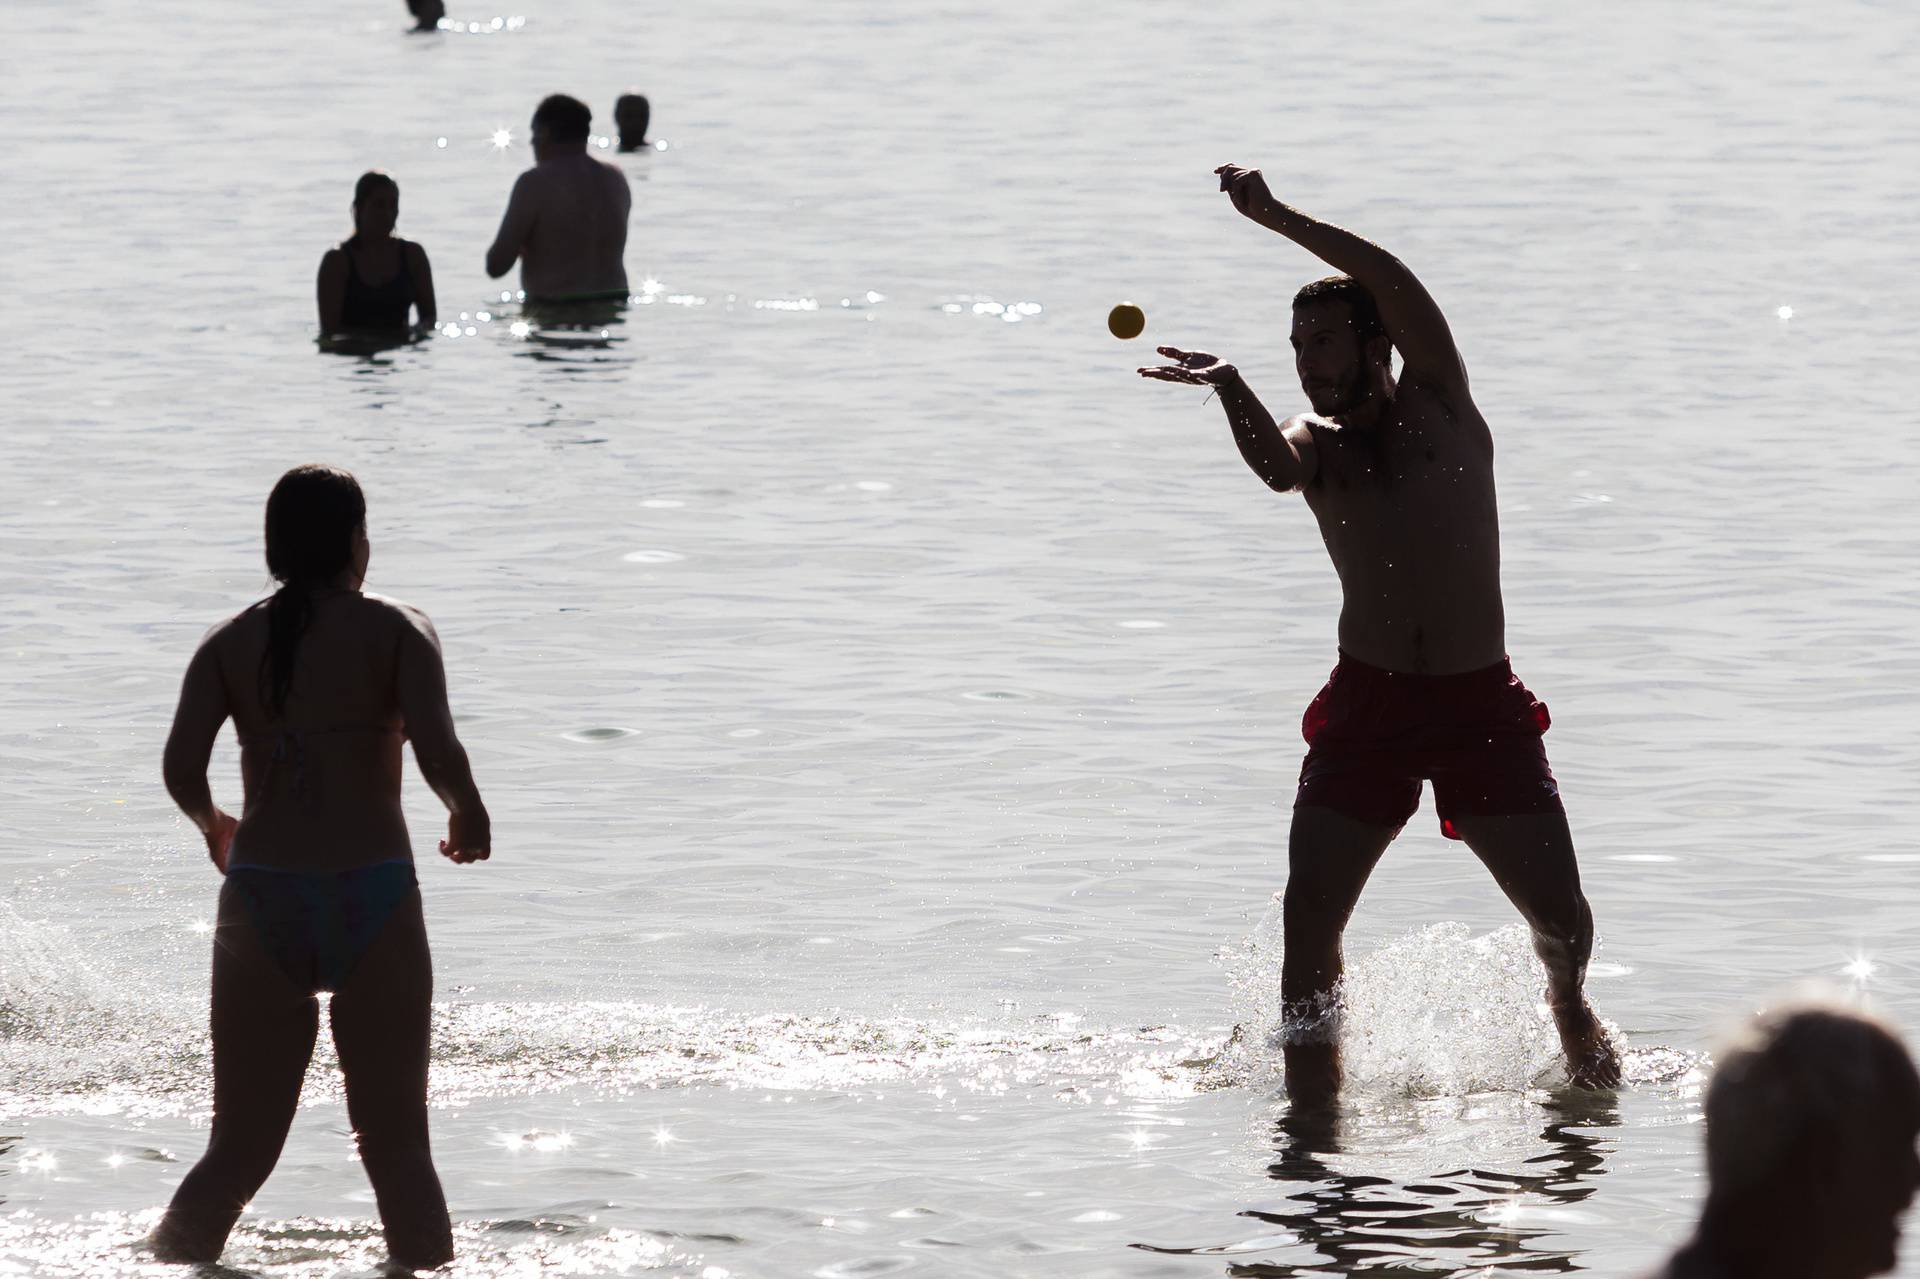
<point>1413,320</point>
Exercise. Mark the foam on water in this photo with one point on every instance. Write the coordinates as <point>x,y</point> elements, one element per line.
<point>72,1043</point>
<point>1438,1013</point>
<point>307,1248</point>
<point>153,1066</point>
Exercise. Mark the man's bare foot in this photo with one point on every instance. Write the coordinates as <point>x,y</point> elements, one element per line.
<point>170,1244</point>
<point>1313,1076</point>
<point>1592,1059</point>
<point>1306,1133</point>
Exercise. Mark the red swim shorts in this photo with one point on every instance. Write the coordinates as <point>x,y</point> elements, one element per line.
<point>1374,735</point>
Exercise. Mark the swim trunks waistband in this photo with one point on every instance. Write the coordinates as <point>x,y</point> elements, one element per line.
<point>1348,662</point>
<point>563,299</point>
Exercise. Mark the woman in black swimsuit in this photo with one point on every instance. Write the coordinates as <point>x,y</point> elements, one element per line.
<point>367,284</point>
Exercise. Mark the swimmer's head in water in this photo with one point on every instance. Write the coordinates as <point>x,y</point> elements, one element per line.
<point>1814,1114</point>
<point>1340,347</point>
<point>560,123</point>
<point>631,112</point>
<point>426,13</point>
<point>376,204</point>
<point>316,536</point>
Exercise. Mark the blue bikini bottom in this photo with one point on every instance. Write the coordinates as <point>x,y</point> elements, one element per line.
<point>317,925</point>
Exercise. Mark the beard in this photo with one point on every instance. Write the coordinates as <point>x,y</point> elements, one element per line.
<point>1349,394</point>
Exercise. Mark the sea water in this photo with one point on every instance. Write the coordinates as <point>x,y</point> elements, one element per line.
<point>888,704</point>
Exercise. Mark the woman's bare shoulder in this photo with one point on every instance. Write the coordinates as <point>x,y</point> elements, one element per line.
<point>399,614</point>
<point>238,628</point>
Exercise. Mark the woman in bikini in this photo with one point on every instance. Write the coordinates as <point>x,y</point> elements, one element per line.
<point>368,284</point>
<point>323,683</point>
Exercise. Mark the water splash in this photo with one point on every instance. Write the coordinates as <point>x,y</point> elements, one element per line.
<point>64,1023</point>
<point>1438,1013</point>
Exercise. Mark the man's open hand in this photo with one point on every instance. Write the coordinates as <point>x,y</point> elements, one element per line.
<point>1195,368</point>
<point>1247,188</point>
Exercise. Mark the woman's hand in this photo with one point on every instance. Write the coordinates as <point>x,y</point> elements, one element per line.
<point>219,837</point>
<point>469,838</point>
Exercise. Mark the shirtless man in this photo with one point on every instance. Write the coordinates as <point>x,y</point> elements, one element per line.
<point>566,222</point>
<point>1400,478</point>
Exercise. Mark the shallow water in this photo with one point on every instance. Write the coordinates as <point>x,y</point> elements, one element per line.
<point>889,709</point>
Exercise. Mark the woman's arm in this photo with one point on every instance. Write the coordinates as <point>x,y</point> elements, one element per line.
<point>422,272</point>
<point>330,290</point>
<point>196,723</point>
<point>443,762</point>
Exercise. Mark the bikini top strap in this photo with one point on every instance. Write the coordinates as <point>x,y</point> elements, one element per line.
<point>291,743</point>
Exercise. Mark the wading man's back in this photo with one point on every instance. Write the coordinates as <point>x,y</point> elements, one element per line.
<point>566,221</point>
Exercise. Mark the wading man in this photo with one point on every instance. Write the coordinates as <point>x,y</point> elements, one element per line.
<point>1399,475</point>
<point>566,221</point>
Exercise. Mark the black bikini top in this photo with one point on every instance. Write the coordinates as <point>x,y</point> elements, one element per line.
<point>381,306</point>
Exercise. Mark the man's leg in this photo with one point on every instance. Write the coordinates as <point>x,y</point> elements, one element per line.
<point>1531,857</point>
<point>1329,857</point>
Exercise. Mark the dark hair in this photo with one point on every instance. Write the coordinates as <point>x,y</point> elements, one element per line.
<point>312,515</point>
<point>565,119</point>
<point>638,110</point>
<point>1806,1085</point>
<point>368,181</point>
<point>1360,304</point>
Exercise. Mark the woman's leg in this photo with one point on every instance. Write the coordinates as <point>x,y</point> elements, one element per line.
<point>263,1031</point>
<point>381,1016</point>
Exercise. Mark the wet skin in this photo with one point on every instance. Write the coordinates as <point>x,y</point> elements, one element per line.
<point>1399,477</point>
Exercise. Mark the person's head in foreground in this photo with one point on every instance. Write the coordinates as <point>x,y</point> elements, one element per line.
<point>1340,347</point>
<point>560,125</point>
<point>376,205</point>
<point>630,115</point>
<point>1811,1121</point>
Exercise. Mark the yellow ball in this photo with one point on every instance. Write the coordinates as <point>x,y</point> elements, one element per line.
<point>1126,321</point>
